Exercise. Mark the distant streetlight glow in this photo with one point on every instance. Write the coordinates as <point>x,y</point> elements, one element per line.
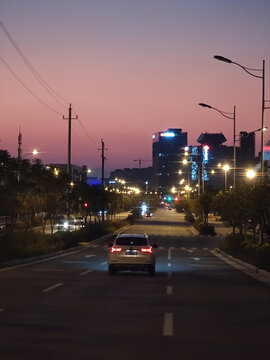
<point>250,173</point>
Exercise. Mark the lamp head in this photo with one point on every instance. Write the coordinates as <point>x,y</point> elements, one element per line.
<point>205,105</point>
<point>222,58</point>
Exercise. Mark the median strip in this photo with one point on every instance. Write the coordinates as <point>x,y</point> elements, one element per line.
<point>52,287</point>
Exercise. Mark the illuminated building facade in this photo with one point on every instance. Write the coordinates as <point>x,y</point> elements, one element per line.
<point>167,151</point>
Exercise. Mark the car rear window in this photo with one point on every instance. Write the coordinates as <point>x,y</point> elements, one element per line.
<point>131,241</point>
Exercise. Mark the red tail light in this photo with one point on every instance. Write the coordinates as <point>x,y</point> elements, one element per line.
<point>116,249</point>
<point>148,250</point>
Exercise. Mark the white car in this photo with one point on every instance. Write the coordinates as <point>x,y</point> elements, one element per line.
<point>132,252</point>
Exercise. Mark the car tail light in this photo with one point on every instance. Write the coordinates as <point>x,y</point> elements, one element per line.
<point>116,249</point>
<point>148,250</point>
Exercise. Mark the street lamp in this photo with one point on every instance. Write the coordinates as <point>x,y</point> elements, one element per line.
<point>226,168</point>
<point>262,76</point>
<point>226,115</point>
<point>250,174</point>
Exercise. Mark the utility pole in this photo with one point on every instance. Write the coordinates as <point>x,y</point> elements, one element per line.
<point>102,175</point>
<point>20,145</point>
<point>140,162</point>
<point>69,137</point>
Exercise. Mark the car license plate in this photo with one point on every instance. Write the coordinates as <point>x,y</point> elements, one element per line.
<point>131,252</point>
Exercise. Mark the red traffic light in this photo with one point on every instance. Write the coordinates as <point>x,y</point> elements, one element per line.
<point>85,205</point>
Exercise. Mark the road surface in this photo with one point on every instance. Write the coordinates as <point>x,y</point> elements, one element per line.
<point>196,307</point>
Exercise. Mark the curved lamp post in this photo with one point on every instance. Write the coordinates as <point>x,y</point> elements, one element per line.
<point>253,73</point>
<point>226,115</point>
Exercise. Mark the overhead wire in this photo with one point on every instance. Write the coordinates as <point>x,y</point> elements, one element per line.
<point>43,83</point>
<point>27,88</point>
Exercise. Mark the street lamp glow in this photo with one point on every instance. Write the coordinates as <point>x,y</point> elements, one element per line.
<point>180,172</point>
<point>173,190</point>
<point>226,167</point>
<point>185,161</point>
<point>219,165</point>
<point>212,171</point>
<point>35,152</point>
<point>250,174</point>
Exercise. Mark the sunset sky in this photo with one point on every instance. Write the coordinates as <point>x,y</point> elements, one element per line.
<point>130,68</point>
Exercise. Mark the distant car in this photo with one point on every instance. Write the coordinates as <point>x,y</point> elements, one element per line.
<point>148,214</point>
<point>70,225</point>
<point>132,252</point>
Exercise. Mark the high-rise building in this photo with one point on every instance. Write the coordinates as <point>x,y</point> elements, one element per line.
<point>167,150</point>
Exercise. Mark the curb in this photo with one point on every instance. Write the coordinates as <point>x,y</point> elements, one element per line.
<point>253,271</point>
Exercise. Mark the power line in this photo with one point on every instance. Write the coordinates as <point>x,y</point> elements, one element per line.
<point>27,88</point>
<point>89,137</point>
<point>44,84</point>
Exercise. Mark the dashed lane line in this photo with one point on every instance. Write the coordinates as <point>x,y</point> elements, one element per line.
<point>52,287</point>
<point>90,255</point>
<point>86,272</point>
<point>169,290</point>
<point>168,324</point>
<point>169,254</point>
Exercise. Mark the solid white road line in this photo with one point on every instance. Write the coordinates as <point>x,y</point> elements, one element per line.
<point>168,324</point>
<point>169,290</point>
<point>88,256</point>
<point>52,287</point>
<point>86,272</point>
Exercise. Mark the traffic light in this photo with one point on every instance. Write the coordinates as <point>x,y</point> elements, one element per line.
<point>85,205</point>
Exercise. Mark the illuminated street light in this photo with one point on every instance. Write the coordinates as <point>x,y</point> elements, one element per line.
<point>250,174</point>
<point>226,168</point>
<point>254,72</point>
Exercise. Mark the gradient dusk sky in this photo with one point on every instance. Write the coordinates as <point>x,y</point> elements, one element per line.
<point>130,68</point>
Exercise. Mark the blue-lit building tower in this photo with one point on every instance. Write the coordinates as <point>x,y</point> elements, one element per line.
<point>167,151</point>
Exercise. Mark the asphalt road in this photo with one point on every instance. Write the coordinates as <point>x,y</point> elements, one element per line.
<point>196,307</point>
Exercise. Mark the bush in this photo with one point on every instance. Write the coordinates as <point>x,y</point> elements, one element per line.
<point>248,251</point>
<point>205,229</point>
<point>190,218</point>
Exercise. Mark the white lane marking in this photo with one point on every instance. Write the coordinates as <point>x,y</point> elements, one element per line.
<point>95,246</point>
<point>172,248</point>
<point>190,251</point>
<point>52,287</point>
<point>169,264</point>
<point>88,256</point>
<point>205,249</point>
<point>194,248</point>
<point>169,254</point>
<point>169,290</point>
<point>196,258</point>
<point>183,248</point>
<point>86,272</point>
<point>104,263</point>
<point>169,273</point>
<point>74,262</point>
<point>168,324</point>
<point>1,310</point>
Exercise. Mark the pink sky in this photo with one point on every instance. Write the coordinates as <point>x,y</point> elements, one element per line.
<point>130,68</point>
